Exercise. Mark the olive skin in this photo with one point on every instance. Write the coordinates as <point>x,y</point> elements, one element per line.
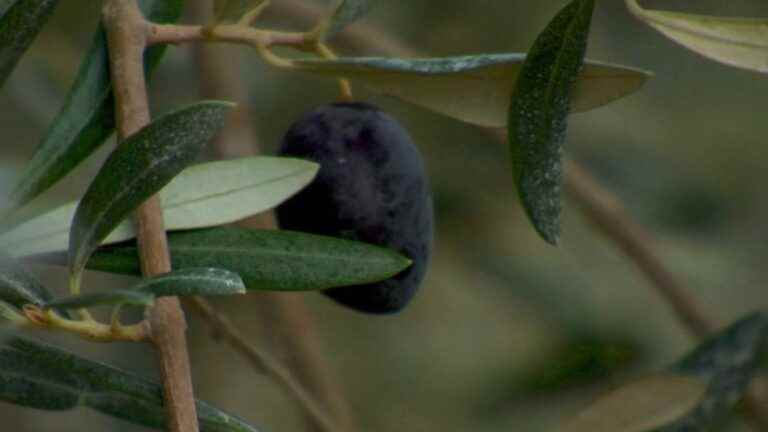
<point>371,187</point>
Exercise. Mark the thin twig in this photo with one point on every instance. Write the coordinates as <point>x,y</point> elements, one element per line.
<point>234,33</point>
<point>127,37</point>
<point>260,360</point>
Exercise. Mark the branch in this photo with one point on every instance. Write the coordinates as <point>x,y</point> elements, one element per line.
<point>235,33</point>
<point>608,215</point>
<point>127,38</point>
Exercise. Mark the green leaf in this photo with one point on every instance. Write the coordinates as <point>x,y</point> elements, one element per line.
<point>19,287</point>
<point>87,118</point>
<point>538,114</point>
<point>739,42</point>
<point>347,12</point>
<point>207,281</point>
<point>40,376</point>
<point>113,297</point>
<point>727,363</point>
<point>140,167</point>
<point>474,89</point>
<point>10,314</point>
<point>639,406</point>
<point>233,10</point>
<point>20,22</point>
<point>266,259</point>
<point>204,195</point>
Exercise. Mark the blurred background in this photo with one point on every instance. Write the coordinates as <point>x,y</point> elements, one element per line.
<point>507,333</point>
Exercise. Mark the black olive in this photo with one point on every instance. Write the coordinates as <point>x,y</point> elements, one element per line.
<point>371,187</point>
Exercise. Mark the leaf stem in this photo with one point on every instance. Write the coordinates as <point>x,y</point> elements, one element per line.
<point>87,329</point>
<point>344,85</point>
<point>127,37</point>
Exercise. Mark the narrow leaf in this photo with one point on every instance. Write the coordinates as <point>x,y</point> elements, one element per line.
<point>207,281</point>
<point>474,89</point>
<point>347,12</point>
<point>87,118</point>
<point>28,392</point>
<point>140,167</point>
<point>114,297</point>
<point>10,314</point>
<point>40,376</point>
<point>19,287</point>
<point>233,10</point>
<point>265,259</point>
<point>538,114</point>
<point>204,195</point>
<point>739,42</point>
<point>727,363</point>
<point>640,406</point>
<point>20,22</point>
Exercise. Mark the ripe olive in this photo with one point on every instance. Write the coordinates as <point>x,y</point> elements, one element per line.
<point>371,187</point>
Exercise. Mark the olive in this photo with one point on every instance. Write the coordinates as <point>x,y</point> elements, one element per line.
<point>371,187</point>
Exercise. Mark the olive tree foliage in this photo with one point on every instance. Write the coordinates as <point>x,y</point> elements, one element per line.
<point>530,95</point>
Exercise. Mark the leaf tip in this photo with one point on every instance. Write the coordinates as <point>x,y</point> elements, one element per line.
<point>549,231</point>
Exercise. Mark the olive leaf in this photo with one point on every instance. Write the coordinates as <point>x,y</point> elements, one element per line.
<point>640,406</point>
<point>10,314</point>
<point>87,118</point>
<point>204,195</point>
<point>19,287</point>
<point>204,281</point>
<point>474,89</point>
<point>739,42</point>
<point>346,12</point>
<point>140,167</point>
<point>38,375</point>
<point>20,22</point>
<point>727,362</point>
<point>265,259</point>
<point>233,10</point>
<point>538,114</point>
<point>113,297</point>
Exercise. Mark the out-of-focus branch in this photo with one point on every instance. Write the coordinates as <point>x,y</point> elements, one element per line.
<point>127,38</point>
<point>260,360</point>
<point>610,217</point>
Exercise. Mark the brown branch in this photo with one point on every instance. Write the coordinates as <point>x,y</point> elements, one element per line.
<point>308,378</point>
<point>608,215</point>
<point>127,33</point>
<point>235,33</point>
